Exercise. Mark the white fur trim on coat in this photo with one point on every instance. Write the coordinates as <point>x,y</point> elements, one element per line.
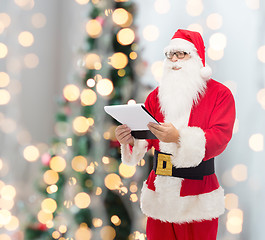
<point>131,158</point>
<point>166,204</point>
<point>191,148</point>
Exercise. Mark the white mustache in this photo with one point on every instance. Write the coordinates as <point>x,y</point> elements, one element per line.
<point>171,65</point>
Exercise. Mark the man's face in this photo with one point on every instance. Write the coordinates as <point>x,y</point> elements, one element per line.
<point>177,56</point>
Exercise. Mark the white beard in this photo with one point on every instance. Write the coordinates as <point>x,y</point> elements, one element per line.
<point>180,89</point>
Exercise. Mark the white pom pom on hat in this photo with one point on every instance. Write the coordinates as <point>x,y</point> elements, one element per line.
<point>206,72</point>
<point>190,40</point>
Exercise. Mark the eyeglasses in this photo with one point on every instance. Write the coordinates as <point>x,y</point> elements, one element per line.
<point>179,54</point>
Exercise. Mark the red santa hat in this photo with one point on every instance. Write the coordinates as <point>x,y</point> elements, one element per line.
<point>192,43</point>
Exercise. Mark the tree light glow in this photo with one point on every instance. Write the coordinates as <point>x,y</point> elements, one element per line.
<point>93,28</point>
<point>104,87</point>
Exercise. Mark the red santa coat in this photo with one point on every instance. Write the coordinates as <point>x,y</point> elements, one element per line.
<point>204,134</point>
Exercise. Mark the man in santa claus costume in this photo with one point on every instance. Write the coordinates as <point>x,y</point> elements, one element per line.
<point>182,197</point>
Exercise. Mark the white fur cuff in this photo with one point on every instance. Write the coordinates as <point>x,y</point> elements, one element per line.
<point>131,158</point>
<point>191,149</point>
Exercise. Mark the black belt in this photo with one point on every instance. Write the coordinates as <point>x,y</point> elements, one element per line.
<point>162,166</point>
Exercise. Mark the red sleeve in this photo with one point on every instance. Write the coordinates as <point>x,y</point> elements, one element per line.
<point>221,124</point>
<point>150,104</point>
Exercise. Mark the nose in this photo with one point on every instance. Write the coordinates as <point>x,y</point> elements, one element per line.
<point>174,58</point>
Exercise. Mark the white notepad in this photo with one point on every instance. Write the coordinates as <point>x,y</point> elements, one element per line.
<point>135,116</point>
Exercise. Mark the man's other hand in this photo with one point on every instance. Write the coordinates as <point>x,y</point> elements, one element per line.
<point>123,135</point>
<point>166,132</point>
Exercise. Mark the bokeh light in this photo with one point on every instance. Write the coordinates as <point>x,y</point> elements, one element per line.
<point>125,36</point>
<point>261,97</point>
<point>253,4</point>
<point>91,168</point>
<point>88,97</point>
<point>215,54</point>
<point>218,41</point>
<point>63,228</point>
<point>196,27</point>
<point>231,201</point>
<point>112,181</point>
<point>97,222</point>
<point>115,220</point>
<point>151,33</point>
<point>234,221</point>
<point>90,82</point>
<point>50,224</point>
<point>7,204</point>
<point>157,70</point>
<point>3,50</point>
<point>57,164</point>
<point>118,60</point>
<point>80,125</point>
<point>98,191</point>
<point>92,61</point>
<point>82,200</point>
<point>91,121</point>
<point>24,3</point>
<point>71,92</point>
<point>240,172</point>
<point>5,237</point>
<point>56,234</point>
<point>131,101</point>
<point>2,27</point>
<point>8,192</point>
<point>5,20</point>
<point>162,6</point>
<point>44,217</point>
<point>4,97</point>
<point>120,16</point>
<point>256,142</point>
<point>83,233</point>
<point>52,189</point>
<point>38,20</point>
<point>49,205</point>
<point>82,2</point>
<point>50,177</point>
<point>121,72</point>
<point>13,224</point>
<point>133,56</point>
<point>31,60</point>
<point>8,125</point>
<point>133,187</point>
<point>104,87</point>
<point>79,163</point>
<point>72,181</point>
<point>133,197</point>
<point>31,153</point>
<point>214,21</point>
<point>107,233</point>
<point>194,7</point>
<point>93,28</point>
<point>261,54</point>
<point>5,217</point>
<point>26,39</point>
<point>126,171</point>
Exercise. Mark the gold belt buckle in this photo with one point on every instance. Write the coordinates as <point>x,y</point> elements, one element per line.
<point>160,169</point>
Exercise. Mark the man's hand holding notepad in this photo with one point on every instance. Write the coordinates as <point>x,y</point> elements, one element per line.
<point>135,116</point>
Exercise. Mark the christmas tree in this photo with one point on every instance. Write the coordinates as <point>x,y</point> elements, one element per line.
<point>88,193</point>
